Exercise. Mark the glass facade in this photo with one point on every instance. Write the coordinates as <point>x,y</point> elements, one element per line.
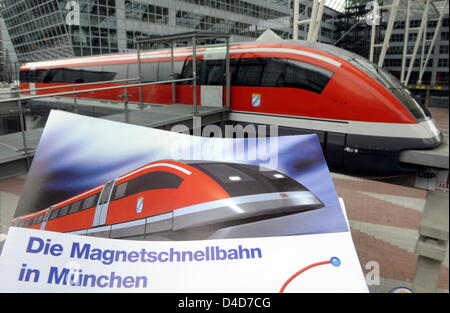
<point>37,29</point>
<point>50,29</point>
<point>97,30</point>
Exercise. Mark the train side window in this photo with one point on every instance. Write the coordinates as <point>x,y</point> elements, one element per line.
<point>75,207</point>
<point>249,72</point>
<point>49,76</point>
<point>104,197</point>
<point>306,76</point>
<point>25,76</point>
<point>92,74</point>
<point>53,214</point>
<point>187,72</point>
<point>63,211</point>
<point>213,72</point>
<point>90,202</point>
<point>57,75</point>
<point>72,76</point>
<point>38,220</point>
<point>37,76</point>
<point>274,72</point>
<point>153,181</point>
<point>119,191</point>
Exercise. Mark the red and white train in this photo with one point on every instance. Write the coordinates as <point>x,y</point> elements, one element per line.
<point>364,117</point>
<point>175,195</point>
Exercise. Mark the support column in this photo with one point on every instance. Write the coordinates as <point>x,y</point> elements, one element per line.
<point>432,244</point>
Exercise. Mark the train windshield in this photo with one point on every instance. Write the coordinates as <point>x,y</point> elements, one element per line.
<point>242,179</point>
<point>394,86</point>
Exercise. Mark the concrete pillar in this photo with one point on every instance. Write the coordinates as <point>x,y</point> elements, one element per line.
<point>432,244</point>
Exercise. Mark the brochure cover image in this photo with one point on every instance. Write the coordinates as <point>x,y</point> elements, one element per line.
<point>112,207</point>
<point>115,180</point>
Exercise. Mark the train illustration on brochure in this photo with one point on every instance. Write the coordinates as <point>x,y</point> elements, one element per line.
<point>168,196</point>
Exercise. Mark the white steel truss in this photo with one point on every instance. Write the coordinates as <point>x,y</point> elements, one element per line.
<point>441,7</point>
<point>314,21</point>
<point>393,9</point>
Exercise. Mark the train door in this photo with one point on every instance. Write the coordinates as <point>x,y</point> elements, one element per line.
<point>101,210</point>
<point>212,77</point>
<point>32,84</point>
<point>46,217</point>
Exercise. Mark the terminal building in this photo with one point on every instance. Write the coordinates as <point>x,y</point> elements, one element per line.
<point>51,29</point>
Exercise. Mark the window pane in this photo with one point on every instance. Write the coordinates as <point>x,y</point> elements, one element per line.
<point>53,214</point>
<point>37,76</point>
<point>249,72</point>
<point>274,72</point>
<point>119,191</point>
<point>214,72</point>
<point>106,192</point>
<point>24,76</point>
<point>306,76</point>
<point>63,211</point>
<point>225,173</point>
<point>40,219</point>
<point>75,207</point>
<point>90,202</point>
<point>152,181</point>
<point>94,74</point>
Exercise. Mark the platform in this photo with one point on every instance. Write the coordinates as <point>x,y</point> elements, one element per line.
<point>437,157</point>
<point>12,155</point>
<point>166,116</point>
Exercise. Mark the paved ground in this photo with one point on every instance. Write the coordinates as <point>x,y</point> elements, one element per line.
<point>384,220</point>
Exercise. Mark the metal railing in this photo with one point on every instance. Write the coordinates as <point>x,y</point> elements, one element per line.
<point>75,92</point>
<point>193,37</point>
<point>69,86</point>
<point>19,100</point>
<point>172,39</point>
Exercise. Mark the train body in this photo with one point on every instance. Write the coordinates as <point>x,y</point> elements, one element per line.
<point>175,195</point>
<point>364,117</point>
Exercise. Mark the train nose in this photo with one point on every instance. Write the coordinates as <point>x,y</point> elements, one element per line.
<point>436,132</point>
<point>430,134</point>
